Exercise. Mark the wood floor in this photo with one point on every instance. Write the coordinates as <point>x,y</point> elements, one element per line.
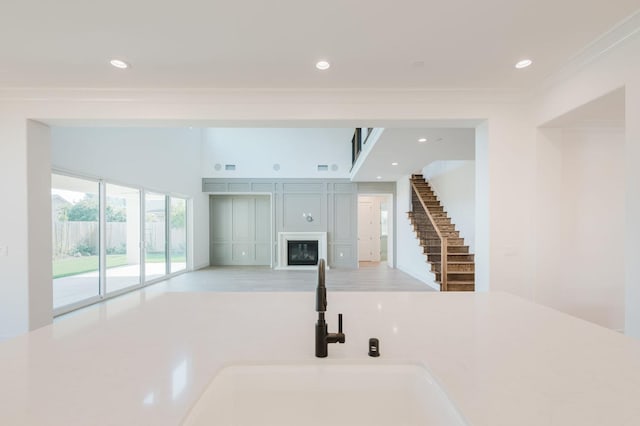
<point>369,277</point>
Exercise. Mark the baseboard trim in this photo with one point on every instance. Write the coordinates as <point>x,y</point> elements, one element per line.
<point>201,266</point>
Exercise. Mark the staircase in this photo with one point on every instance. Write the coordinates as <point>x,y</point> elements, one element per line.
<point>440,240</point>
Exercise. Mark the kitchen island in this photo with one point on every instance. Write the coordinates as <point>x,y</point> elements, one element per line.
<point>145,358</point>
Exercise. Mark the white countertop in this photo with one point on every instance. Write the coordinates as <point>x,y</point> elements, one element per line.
<point>144,358</point>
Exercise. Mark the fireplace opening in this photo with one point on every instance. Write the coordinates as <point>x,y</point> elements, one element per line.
<point>302,252</point>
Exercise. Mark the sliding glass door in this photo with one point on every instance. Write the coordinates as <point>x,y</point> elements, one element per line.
<point>155,231</point>
<point>178,234</point>
<point>122,242</point>
<point>100,248</point>
<point>75,207</point>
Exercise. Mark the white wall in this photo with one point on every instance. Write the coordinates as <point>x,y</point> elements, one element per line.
<point>14,286</point>
<point>25,236</point>
<point>454,182</point>
<point>297,151</point>
<point>580,237</point>
<point>160,159</point>
<point>610,70</point>
<point>505,184</point>
<point>410,255</point>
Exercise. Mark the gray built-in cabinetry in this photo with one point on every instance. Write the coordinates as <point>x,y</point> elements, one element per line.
<point>238,209</point>
<point>240,229</point>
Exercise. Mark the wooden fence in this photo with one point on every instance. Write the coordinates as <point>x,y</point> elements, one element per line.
<point>73,238</point>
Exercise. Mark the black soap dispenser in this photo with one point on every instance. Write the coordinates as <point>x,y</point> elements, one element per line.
<point>374,347</point>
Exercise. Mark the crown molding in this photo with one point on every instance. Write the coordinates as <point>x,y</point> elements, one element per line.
<point>624,31</point>
<point>253,96</point>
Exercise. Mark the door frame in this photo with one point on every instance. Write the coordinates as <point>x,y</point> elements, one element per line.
<point>391,224</point>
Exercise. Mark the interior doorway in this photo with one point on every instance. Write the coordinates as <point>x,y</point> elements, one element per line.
<point>375,228</point>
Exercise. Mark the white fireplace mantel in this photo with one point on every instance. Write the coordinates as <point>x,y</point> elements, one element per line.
<point>284,237</point>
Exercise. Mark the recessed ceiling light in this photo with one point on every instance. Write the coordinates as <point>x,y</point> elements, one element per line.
<point>323,65</point>
<point>394,164</point>
<point>378,177</point>
<point>421,140</point>
<point>523,63</point>
<point>118,63</point>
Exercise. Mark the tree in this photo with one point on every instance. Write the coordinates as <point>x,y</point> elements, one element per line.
<point>86,210</point>
<point>178,215</point>
<point>113,215</point>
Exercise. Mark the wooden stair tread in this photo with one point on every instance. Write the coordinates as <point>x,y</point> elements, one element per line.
<point>424,198</point>
<point>436,243</point>
<point>449,247</point>
<point>452,261</point>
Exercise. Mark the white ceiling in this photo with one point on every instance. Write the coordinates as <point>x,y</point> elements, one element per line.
<point>274,44</point>
<point>402,146</point>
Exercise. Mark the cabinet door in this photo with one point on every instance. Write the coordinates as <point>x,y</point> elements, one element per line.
<point>240,228</point>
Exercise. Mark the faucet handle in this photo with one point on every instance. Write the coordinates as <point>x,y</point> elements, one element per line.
<point>339,323</point>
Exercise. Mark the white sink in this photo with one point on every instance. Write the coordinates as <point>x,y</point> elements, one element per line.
<point>324,394</point>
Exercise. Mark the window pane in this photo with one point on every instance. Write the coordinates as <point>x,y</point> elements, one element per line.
<point>178,236</point>
<point>155,236</point>
<point>75,213</point>
<point>122,239</point>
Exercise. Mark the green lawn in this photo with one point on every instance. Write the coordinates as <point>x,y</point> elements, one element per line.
<point>79,265</point>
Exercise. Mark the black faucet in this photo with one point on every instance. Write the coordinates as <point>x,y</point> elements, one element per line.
<point>323,337</point>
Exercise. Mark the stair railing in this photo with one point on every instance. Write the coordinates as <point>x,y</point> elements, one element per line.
<point>441,236</point>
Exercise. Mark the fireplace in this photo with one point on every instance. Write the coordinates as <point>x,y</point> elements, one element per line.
<point>302,252</point>
<point>292,243</point>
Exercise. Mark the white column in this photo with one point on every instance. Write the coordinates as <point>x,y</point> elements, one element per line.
<point>482,238</point>
<point>505,176</point>
<point>39,226</point>
<point>25,227</point>
<point>632,225</point>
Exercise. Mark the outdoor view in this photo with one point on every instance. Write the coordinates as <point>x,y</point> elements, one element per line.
<point>122,237</point>
<point>76,264</point>
<point>155,254</point>
<point>76,238</point>
<point>178,227</point>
